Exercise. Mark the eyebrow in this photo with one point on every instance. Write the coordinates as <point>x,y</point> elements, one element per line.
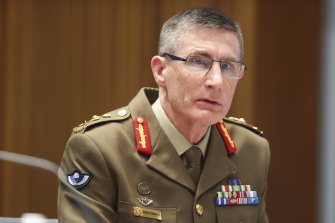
<point>206,54</point>
<point>200,53</point>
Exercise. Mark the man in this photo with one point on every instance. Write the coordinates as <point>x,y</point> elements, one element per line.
<point>170,155</point>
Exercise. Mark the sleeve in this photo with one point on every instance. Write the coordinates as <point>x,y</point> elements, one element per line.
<point>95,201</point>
<point>263,215</point>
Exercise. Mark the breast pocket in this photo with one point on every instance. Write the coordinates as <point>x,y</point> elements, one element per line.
<point>237,214</point>
<point>129,213</point>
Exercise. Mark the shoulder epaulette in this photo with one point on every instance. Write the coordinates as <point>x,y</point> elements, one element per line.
<point>243,123</point>
<point>96,120</point>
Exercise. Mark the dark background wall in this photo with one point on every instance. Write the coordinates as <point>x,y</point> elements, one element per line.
<point>63,61</point>
<point>287,93</point>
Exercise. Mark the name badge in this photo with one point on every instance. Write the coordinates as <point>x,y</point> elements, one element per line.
<point>147,213</point>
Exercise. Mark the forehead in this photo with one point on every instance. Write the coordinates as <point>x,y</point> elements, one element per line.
<point>216,43</point>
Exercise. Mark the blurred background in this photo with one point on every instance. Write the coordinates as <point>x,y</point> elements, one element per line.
<point>61,62</point>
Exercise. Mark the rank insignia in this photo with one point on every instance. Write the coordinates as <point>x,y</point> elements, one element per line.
<point>236,194</point>
<point>78,180</point>
<point>228,140</point>
<point>142,135</point>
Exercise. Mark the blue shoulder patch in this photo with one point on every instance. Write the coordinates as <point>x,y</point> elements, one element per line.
<point>79,180</point>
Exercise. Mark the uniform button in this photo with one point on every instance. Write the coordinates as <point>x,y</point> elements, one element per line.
<point>199,209</point>
<point>122,112</point>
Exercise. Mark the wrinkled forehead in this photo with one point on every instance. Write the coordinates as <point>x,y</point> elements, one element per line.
<point>215,43</point>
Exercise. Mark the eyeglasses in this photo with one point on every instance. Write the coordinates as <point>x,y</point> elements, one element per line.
<point>200,65</point>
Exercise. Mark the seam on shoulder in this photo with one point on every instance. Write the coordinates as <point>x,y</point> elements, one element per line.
<point>96,120</point>
<point>241,122</point>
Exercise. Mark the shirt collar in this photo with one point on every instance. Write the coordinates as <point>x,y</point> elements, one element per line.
<point>179,142</point>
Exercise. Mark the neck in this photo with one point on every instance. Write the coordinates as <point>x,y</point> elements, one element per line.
<point>193,132</point>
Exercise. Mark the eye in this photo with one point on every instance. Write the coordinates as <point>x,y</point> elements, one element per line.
<point>226,65</point>
<point>199,61</point>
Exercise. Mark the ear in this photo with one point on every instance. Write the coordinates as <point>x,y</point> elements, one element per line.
<point>158,65</point>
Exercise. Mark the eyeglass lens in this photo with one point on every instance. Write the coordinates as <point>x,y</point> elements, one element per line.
<point>201,65</point>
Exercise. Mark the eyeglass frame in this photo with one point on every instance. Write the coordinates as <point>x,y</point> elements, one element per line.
<point>176,58</point>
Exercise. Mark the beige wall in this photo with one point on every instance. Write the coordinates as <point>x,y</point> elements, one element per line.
<point>63,61</point>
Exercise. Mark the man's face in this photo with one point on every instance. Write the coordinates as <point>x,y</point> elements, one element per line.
<point>194,98</point>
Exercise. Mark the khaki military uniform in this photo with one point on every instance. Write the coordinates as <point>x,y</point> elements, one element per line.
<point>128,186</point>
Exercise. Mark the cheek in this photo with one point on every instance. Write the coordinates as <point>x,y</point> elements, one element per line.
<point>175,87</point>
<point>182,83</point>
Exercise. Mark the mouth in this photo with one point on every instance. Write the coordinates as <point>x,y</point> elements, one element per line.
<point>209,103</point>
<point>208,100</point>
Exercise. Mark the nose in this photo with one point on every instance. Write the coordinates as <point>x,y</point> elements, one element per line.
<point>214,76</point>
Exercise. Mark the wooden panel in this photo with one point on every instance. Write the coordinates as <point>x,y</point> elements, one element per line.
<point>18,98</point>
<point>2,86</point>
<point>287,104</point>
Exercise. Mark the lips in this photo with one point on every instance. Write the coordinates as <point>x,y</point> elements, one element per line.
<point>210,101</point>
<point>210,104</point>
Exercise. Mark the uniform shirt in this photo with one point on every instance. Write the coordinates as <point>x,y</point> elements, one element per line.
<point>179,142</point>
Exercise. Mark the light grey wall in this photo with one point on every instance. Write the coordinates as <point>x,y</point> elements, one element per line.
<point>326,189</point>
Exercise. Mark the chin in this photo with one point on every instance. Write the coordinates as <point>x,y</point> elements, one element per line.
<point>210,118</point>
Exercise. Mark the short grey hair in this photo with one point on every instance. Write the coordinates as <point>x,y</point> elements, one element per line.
<point>196,18</point>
